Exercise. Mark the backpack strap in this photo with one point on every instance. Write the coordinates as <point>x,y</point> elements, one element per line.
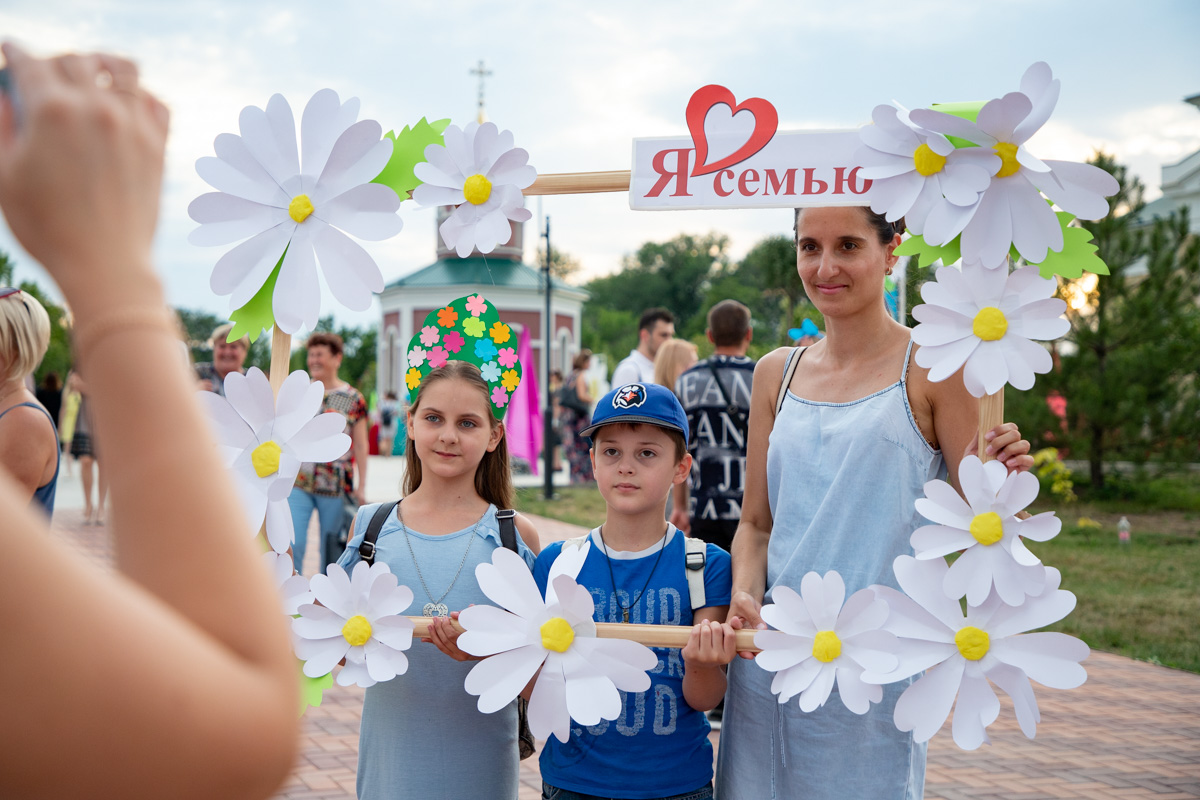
<point>695,560</point>
<point>792,362</point>
<point>507,517</point>
<point>366,550</point>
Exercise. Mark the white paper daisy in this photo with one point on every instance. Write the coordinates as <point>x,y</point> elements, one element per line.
<point>479,171</point>
<point>264,440</point>
<point>580,674</point>
<point>986,530</point>
<point>1012,211</point>
<point>919,175</point>
<point>293,589</point>
<point>983,320</point>
<point>358,619</point>
<point>819,639</point>
<point>963,652</point>
<point>304,201</point>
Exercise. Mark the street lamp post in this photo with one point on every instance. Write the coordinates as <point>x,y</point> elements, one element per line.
<point>548,414</point>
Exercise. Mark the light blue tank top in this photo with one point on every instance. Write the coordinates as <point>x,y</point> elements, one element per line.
<point>422,735</point>
<point>841,480</point>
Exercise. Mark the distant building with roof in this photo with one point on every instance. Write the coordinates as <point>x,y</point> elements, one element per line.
<point>515,288</point>
<point>1180,187</point>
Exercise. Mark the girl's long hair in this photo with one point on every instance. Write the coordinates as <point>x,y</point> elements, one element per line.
<point>493,478</point>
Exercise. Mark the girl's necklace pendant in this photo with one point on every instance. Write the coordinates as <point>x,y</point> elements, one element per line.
<point>441,610</point>
<point>625,613</point>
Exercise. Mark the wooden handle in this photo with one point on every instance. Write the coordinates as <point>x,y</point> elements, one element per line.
<point>281,357</point>
<point>991,414</point>
<point>580,183</point>
<point>649,635</point>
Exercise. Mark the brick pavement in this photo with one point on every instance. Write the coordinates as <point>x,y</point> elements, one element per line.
<point>1132,731</point>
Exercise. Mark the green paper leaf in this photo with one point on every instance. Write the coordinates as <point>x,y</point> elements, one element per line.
<point>256,316</point>
<point>312,690</point>
<point>927,253</point>
<point>408,150</point>
<point>1078,253</point>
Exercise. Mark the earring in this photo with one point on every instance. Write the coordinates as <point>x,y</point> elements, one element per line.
<point>888,271</point>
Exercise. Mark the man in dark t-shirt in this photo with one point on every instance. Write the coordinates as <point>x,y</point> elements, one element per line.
<point>715,393</point>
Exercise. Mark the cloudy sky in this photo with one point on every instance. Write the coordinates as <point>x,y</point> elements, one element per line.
<point>576,82</point>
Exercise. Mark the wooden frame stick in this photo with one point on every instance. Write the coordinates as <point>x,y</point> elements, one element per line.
<point>580,183</point>
<point>649,635</point>
<point>991,414</point>
<point>281,356</point>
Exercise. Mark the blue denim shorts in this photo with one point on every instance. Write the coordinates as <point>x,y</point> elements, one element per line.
<point>554,793</point>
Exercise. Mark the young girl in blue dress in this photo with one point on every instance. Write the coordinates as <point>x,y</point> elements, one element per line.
<point>457,477</point>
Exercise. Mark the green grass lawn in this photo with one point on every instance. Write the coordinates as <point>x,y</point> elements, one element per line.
<point>1140,600</point>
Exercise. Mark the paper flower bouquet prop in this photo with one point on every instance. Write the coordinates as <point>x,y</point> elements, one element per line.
<point>264,439</point>
<point>358,619</point>
<point>579,676</point>
<point>983,321</point>
<point>962,652</point>
<point>467,329</point>
<point>927,165</point>
<point>479,172</point>
<point>819,639</point>
<point>291,209</point>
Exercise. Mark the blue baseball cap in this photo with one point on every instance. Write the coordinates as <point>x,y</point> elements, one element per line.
<point>645,403</point>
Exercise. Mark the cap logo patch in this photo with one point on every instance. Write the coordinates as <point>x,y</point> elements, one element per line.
<point>631,395</point>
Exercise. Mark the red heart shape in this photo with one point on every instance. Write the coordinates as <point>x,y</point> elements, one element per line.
<point>766,122</point>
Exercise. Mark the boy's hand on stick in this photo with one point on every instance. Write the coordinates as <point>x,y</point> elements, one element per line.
<point>710,644</point>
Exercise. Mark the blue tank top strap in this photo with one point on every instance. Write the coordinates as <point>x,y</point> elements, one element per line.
<point>907,361</point>
<point>44,494</point>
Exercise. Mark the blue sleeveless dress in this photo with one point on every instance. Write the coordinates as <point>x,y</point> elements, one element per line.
<point>841,481</point>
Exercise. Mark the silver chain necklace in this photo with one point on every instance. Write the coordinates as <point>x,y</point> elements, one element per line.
<point>436,608</point>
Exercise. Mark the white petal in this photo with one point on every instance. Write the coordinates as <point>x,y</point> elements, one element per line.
<point>270,136</point>
<point>383,662</point>
<point>321,656</point>
<point>948,498</point>
<point>1036,612</point>
<point>251,395</point>
<point>944,360</point>
<point>235,171</point>
<point>297,298</point>
<point>872,650</point>
<point>977,707</point>
<point>321,439</point>
<point>358,155</point>
<point>940,326</point>
<point>1015,683</point>
<point>243,270</point>
<point>1051,659</point>
<point>321,124</point>
<point>1035,228</point>
<point>1040,527</point>
<point>856,695</point>
<point>332,590</point>
<point>352,275</point>
<point>281,531</point>
<point>1080,188</point>
<point>298,402</point>
<point>922,581</point>
<point>781,650</point>
<point>225,219</point>
<point>862,612</point>
<point>950,125</point>
<point>511,169</point>
<point>1000,117</point>
<point>508,583</point>
<point>788,612</point>
<point>395,632</point>
<point>499,679</point>
<point>387,599</point>
<point>925,705</point>
<point>318,622</point>
<point>367,211</point>
<point>818,691</point>
<point>547,712</point>
<point>428,194</point>
<point>625,663</point>
<point>491,630</point>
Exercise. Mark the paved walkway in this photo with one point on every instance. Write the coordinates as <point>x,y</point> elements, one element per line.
<point>1132,731</point>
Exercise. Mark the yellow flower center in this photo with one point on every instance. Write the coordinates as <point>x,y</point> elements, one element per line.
<point>928,162</point>
<point>987,528</point>
<point>265,459</point>
<point>557,634</point>
<point>1008,159</point>
<point>827,646</point>
<point>972,642</point>
<point>357,630</point>
<point>990,324</point>
<point>300,208</point>
<point>477,189</point>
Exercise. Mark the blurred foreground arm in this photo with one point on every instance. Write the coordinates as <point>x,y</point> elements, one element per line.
<point>173,676</point>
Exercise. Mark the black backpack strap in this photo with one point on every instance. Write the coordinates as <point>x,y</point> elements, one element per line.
<point>507,518</point>
<point>366,550</point>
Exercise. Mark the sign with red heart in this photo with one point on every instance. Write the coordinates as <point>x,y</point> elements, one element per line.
<point>703,101</point>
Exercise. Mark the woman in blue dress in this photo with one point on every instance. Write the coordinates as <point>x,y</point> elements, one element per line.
<point>835,462</point>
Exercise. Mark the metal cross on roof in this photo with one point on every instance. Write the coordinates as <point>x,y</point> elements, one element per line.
<point>482,72</point>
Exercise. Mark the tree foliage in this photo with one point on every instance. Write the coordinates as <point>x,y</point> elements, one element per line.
<point>1131,359</point>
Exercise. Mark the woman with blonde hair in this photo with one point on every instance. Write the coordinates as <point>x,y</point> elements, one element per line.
<point>673,357</point>
<point>28,441</point>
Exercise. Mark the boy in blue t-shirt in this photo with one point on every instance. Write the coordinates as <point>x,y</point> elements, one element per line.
<point>637,571</point>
